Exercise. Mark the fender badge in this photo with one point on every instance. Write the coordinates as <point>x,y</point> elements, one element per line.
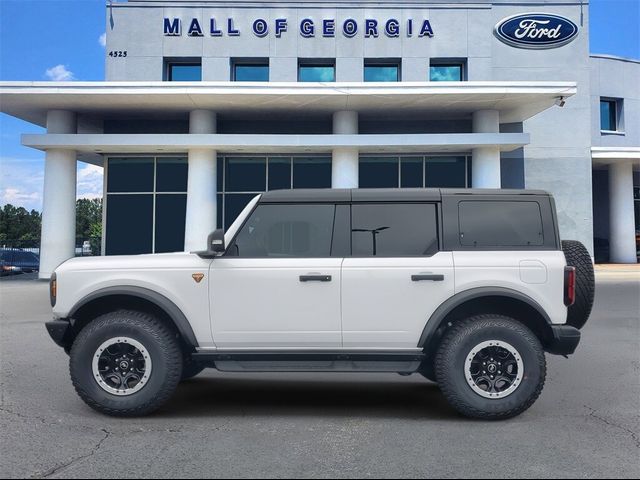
<point>198,277</point>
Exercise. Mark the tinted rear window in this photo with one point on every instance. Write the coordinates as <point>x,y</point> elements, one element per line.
<point>500,224</point>
<point>394,230</point>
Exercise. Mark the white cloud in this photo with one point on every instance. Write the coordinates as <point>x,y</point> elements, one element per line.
<point>17,197</point>
<point>21,181</point>
<point>102,40</point>
<point>89,181</point>
<point>59,73</point>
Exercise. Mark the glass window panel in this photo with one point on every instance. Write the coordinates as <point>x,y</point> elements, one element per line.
<point>277,231</point>
<point>219,210</point>
<point>608,115</point>
<point>394,230</point>
<point>129,224</point>
<point>511,224</point>
<point>220,173</point>
<point>185,72</point>
<point>381,73</point>
<point>312,172</point>
<point>445,172</point>
<point>171,174</point>
<point>445,73</point>
<point>170,222</point>
<point>245,174</point>
<point>317,73</point>
<point>279,173</point>
<point>411,174</point>
<point>134,174</point>
<point>251,73</point>
<point>378,172</point>
<point>233,205</point>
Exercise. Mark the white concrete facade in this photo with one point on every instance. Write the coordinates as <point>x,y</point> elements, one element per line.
<point>59,197</point>
<point>621,215</point>
<point>486,160</point>
<point>201,187</point>
<point>345,159</point>
<point>522,118</point>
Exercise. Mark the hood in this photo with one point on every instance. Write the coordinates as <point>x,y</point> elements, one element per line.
<point>163,261</point>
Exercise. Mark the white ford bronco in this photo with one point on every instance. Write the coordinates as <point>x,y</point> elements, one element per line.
<point>469,288</point>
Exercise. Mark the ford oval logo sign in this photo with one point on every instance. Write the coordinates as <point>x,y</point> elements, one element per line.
<point>536,30</point>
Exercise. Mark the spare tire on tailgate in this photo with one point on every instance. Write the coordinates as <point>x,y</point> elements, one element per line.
<point>577,256</point>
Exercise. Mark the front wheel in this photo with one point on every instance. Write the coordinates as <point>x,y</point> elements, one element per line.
<point>490,367</point>
<point>126,363</point>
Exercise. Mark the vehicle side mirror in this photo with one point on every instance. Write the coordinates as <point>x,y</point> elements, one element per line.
<point>215,241</point>
<point>215,245</point>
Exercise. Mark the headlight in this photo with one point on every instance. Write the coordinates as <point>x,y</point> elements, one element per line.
<point>53,289</point>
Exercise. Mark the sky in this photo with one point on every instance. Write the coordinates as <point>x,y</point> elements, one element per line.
<point>63,40</point>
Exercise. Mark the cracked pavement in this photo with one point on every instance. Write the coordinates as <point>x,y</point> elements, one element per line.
<point>586,423</point>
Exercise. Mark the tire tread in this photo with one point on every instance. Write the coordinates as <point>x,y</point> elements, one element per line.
<point>168,343</point>
<point>447,346</point>
<point>578,256</point>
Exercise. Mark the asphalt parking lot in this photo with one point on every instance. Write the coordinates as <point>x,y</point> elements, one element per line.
<point>586,424</point>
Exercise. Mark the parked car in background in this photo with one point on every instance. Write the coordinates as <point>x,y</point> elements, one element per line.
<point>15,260</point>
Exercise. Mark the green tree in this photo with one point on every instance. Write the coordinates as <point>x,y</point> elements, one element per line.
<point>88,218</point>
<point>21,228</point>
<point>19,225</point>
<point>89,222</point>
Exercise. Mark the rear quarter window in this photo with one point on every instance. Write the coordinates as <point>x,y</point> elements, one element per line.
<point>500,224</point>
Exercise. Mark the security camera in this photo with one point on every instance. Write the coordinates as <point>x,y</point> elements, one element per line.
<point>560,101</point>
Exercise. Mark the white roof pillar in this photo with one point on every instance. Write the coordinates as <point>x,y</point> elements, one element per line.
<point>202,204</point>
<point>59,199</point>
<point>485,166</point>
<point>345,160</point>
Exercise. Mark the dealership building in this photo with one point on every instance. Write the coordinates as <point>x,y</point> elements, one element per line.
<point>207,103</point>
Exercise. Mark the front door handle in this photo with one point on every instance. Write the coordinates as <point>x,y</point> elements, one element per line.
<point>315,278</point>
<point>427,276</point>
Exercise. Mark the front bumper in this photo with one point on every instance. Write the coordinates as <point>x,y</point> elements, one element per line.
<point>60,331</point>
<point>565,340</point>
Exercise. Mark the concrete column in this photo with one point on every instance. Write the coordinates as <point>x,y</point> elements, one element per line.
<point>201,185</point>
<point>485,165</point>
<point>59,199</point>
<point>344,169</point>
<point>622,242</point>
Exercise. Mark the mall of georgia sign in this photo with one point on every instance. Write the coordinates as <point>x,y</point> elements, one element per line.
<point>308,28</point>
<point>536,31</point>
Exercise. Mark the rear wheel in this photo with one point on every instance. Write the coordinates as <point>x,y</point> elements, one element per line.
<point>490,367</point>
<point>126,363</point>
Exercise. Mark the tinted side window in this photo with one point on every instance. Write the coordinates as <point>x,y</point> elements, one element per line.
<point>500,224</point>
<point>280,231</point>
<point>394,230</point>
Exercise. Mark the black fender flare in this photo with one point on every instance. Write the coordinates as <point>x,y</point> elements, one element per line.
<point>446,307</point>
<point>159,300</point>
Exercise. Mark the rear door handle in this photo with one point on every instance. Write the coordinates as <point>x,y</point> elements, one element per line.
<point>426,277</point>
<point>315,278</point>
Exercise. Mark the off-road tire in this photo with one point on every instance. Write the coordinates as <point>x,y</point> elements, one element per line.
<point>459,341</point>
<point>157,338</point>
<point>578,256</point>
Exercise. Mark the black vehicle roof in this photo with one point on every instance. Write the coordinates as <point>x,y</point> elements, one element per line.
<point>382,194</point>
